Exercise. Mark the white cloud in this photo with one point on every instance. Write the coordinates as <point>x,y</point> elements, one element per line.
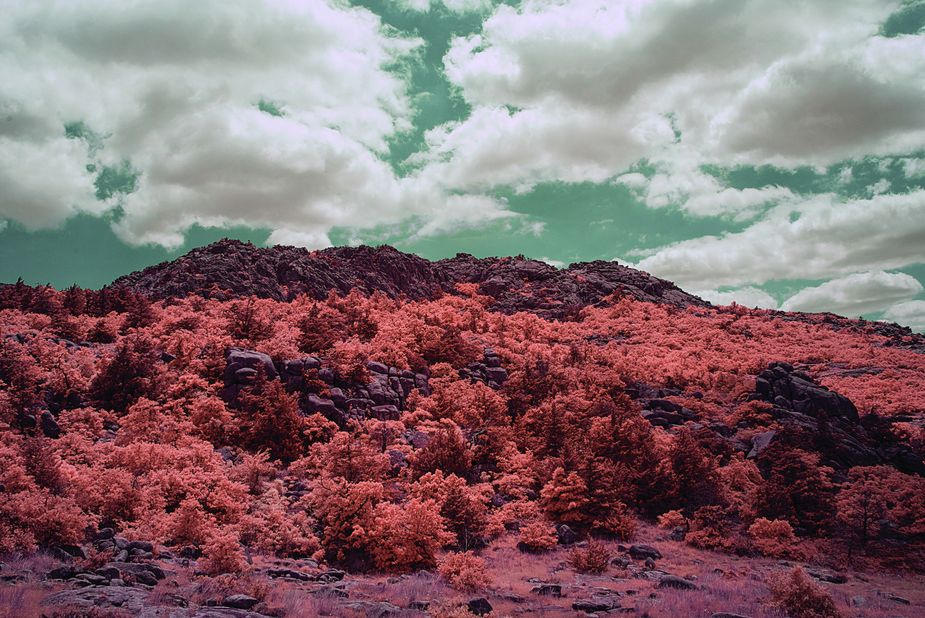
<point>580,90</point>
<point>856,294</point>
<point>553,263</point>
<point>175,86</point>
<point>817,238</point>
<point>910,313</point>
<point>747,297</point>
<point>913,167</point>
<point>456,6</point>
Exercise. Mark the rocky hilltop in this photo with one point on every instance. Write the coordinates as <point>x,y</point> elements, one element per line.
<point>230,268</point>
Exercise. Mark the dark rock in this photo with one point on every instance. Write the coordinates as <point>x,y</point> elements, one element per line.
<point>109,573</point>
<point>760,443</point>
<point>375,367</point>
<point>726,615</point>
<point>897,599</point>
<point>239,601</point>
<point>420,606</point>
<point>331,575</point>
<point>289,574</point>
<point>141,545</point>
<point>565,535</point>
<point>548,590</point>
<point>594,605</point>
<point>104,533</point>
<point>828,576</point>
<point>50,425</point>
<point>673,581</point>
<point>479,606</point>
<point>93,579</point>
<point>641,552</point>
<point>63,573</point>
<point>127,599</point>
<point>385,413</point>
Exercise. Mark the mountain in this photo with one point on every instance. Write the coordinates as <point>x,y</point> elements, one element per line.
<point>230,268</point>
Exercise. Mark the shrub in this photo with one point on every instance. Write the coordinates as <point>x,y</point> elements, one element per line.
<point>593,558</point>
<point>671,520</point>
<point>464,571</point>
<point>800,597</point>
<point>537,536</point>
<point>774,538</point>
<point>222,554</point>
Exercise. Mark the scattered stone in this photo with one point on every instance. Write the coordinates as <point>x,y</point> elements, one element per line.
<point>566,535</point>
<point>594,605</point>
<point>239,601</point>
<point>897,599</point>
<point>289,574</point>
<point>673,581</point>
<point>830,577</point>
<point>641,552</point>
<point>479,606</point>
<point>332,575</point>
<point>50,425</point>
<point>548,590</point>
<point>128,599</point>
<point>62,573</point>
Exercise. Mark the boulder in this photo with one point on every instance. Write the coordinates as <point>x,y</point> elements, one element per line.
<point>641,552</point>
<point>565,535</point>
<point>547,590</point>
<point>239,601</point>
<point>50,425</point>
<point>479,606</point>
<point>594,605</point>
<point>678,583</point>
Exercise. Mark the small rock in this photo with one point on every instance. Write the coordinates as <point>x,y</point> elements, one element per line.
<point>104,534</point>
<point>548,590</point>
<point>239,601</point>
<point>64,572</point>
<point>479,606</point>
<point>673,581</point>
<point>566,535</point>
<point>591,606</point>
<point>420,606</point>
<point>897,599</point>
<point>641,552</point>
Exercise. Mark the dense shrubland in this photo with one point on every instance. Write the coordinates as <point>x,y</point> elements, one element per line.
<point>113,416</point>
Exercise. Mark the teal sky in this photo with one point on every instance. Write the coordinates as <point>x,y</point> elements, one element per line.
<point>756,151</point>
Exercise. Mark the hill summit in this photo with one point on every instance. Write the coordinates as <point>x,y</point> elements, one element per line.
<point>232,269</point>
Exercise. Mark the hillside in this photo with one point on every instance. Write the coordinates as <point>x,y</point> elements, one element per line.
<point>478,432</point>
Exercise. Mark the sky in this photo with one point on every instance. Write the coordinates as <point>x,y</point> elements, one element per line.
<point>765,152</point>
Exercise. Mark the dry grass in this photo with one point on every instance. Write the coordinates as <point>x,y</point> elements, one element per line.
<point>22,600</point>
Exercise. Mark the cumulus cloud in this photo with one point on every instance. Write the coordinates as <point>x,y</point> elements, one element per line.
<point>856,294</point>
<point>580,90</point>
<point>910,313</point>
<point>747,297</point>
<point>263,113</point>
<point>817,238</point>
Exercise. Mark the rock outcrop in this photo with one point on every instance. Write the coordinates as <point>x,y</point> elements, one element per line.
<point>229,269</point>
<point>818,419</point>
<point>321,390</point>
